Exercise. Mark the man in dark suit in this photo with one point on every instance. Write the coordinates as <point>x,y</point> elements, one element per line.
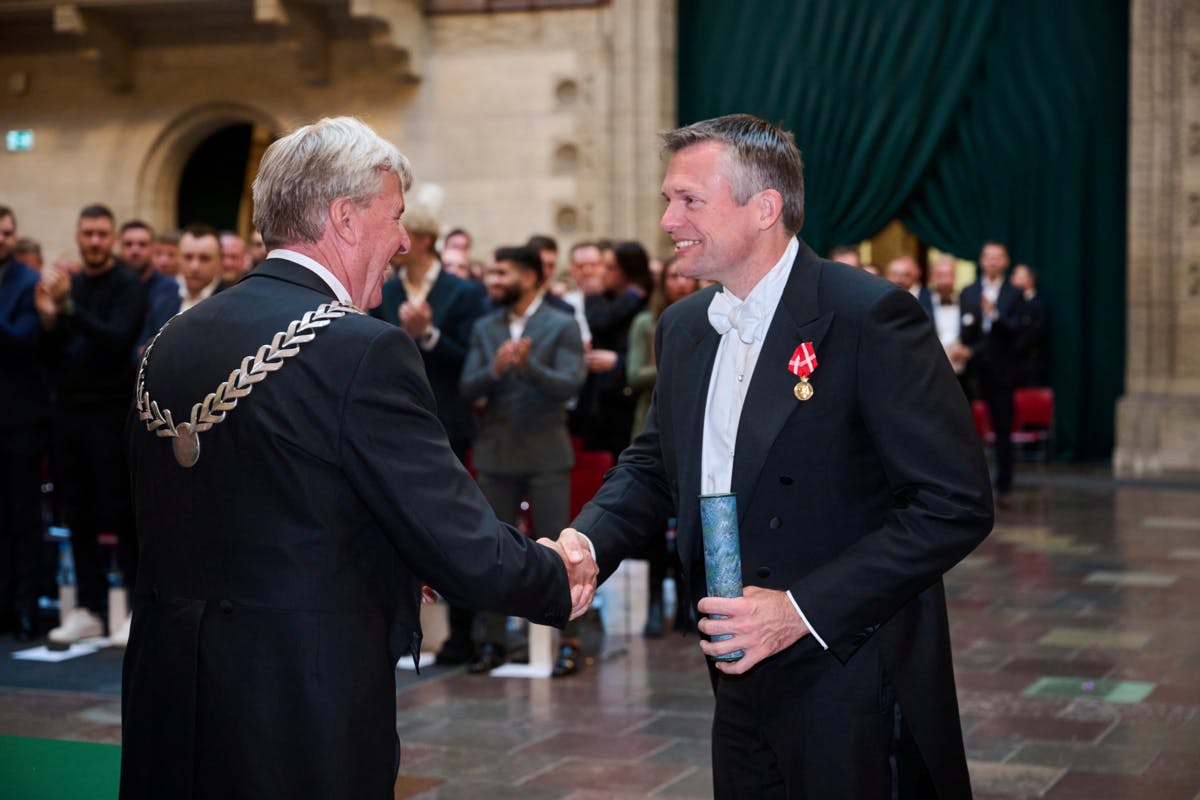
<point>438,310</point>
<point>24,407</point>
<point>91,323</point>
<point>290,516</point>
<point>525,361</point>
<point>1031,343</point>
<point>990,322</point>
<point>820,396</point>
<point>906,273</point>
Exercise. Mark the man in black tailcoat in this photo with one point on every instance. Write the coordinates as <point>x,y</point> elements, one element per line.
<point>294,490</point>
<point>821,397</point>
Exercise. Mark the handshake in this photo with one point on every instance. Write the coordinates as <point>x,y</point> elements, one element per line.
<point>576,552</point>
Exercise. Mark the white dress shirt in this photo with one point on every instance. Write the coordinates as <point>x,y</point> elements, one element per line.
<point>316,268</point>
<point>186,301</point>
<point>991,291</point>
<point>576,299</point>
<point>732,371</point>
<point>516,322</point>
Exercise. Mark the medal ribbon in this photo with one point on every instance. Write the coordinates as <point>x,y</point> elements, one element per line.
<point>803,360</point>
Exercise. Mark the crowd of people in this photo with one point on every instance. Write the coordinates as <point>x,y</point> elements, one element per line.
<point>995,333</point>
<point>274,615</point>
<point>528,363</point>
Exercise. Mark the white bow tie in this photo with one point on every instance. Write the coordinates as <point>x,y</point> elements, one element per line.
<point>724,313</point>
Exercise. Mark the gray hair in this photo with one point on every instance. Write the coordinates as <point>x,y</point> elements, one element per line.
<point>760,155</point>
<point>305,171</point>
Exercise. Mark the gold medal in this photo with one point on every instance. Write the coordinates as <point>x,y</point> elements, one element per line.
<point>186,445</point>
<point>803,390</point>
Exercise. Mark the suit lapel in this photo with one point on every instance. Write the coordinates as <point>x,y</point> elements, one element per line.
<point>439,295</point>
<point>770,399</point>
<point>692,397</point>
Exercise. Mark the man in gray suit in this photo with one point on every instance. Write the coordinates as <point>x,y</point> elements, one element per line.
<point>525,360</point>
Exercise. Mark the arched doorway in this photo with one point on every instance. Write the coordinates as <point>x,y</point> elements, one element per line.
<point>216,182</point>
<point>202,165</point>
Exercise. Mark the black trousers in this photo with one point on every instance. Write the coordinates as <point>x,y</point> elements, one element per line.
<point>90,448</point>
<point>803,726</point>
<point>21,451</point>
<point>999,398</point>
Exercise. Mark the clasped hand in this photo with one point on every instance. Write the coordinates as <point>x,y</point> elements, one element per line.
<point>582,571</point>
<point>762,623</point>
<point>512,353</point>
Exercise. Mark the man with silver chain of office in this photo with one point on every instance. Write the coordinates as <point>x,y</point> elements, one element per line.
<point>293,492</point>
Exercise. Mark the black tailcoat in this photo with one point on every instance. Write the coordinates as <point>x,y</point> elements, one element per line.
<point>281,574</point>
<point>857,500</point>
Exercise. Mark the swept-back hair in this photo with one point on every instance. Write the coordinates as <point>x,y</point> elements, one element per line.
<point>760,156</point>
<point>305,171</point>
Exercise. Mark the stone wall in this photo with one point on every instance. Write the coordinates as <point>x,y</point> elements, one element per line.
<point>1158,419</point>
<point>526,122</point>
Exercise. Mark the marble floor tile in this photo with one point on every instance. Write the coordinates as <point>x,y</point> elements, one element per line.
<point>1086,757</point>
<point>1013,779</point>
<point>1077,669</point>
<point>1144,580</point>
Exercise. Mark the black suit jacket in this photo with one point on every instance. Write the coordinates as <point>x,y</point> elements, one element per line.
<point>456,304</point>
<point>857,500</point>
<point>1031,343</point>
<point>280,576</point>
<point>925,298</point>
<point>993,357</point>
<point>25,398</point>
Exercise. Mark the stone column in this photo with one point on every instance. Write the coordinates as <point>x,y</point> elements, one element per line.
<point>643,102</point>
<point>1158,419</point>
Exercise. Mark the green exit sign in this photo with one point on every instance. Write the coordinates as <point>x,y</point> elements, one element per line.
<point>18,141</point>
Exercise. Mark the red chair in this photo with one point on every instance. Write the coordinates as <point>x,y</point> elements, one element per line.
<point>587,476</point>
<point>1033,418</point>
<point>983,421</point>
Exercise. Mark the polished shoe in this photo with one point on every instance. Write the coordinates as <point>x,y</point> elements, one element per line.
<point>79,623</point>
<point>120,635</point>
<point>455,651</point>
<point>653,628</point>
<point>567,662</point>
<point>491,655</point>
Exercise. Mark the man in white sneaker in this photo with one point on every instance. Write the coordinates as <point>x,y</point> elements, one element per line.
<point>91,323</point>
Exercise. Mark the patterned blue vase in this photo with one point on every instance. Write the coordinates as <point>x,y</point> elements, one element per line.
<point>722,553</point>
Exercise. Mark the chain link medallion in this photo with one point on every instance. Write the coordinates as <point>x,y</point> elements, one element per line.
<point>213,408</point>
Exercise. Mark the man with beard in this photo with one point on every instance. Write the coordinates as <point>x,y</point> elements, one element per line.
<point>524,362</point>
<point>92,322</point>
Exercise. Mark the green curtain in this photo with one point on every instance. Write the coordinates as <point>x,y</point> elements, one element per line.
<point>969,120</point>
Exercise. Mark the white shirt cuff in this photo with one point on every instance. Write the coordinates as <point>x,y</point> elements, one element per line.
<point>811,629</point>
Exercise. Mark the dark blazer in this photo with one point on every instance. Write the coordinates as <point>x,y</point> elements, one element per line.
<point>604,414</point>
<point>1031,343</point>
<point>851,500</point>
<point>925,298</point>
<point>25,399</point>
<point>524,428</point>
<point>280,576</point>
<point>993,358</point>
<point>456,304</point>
